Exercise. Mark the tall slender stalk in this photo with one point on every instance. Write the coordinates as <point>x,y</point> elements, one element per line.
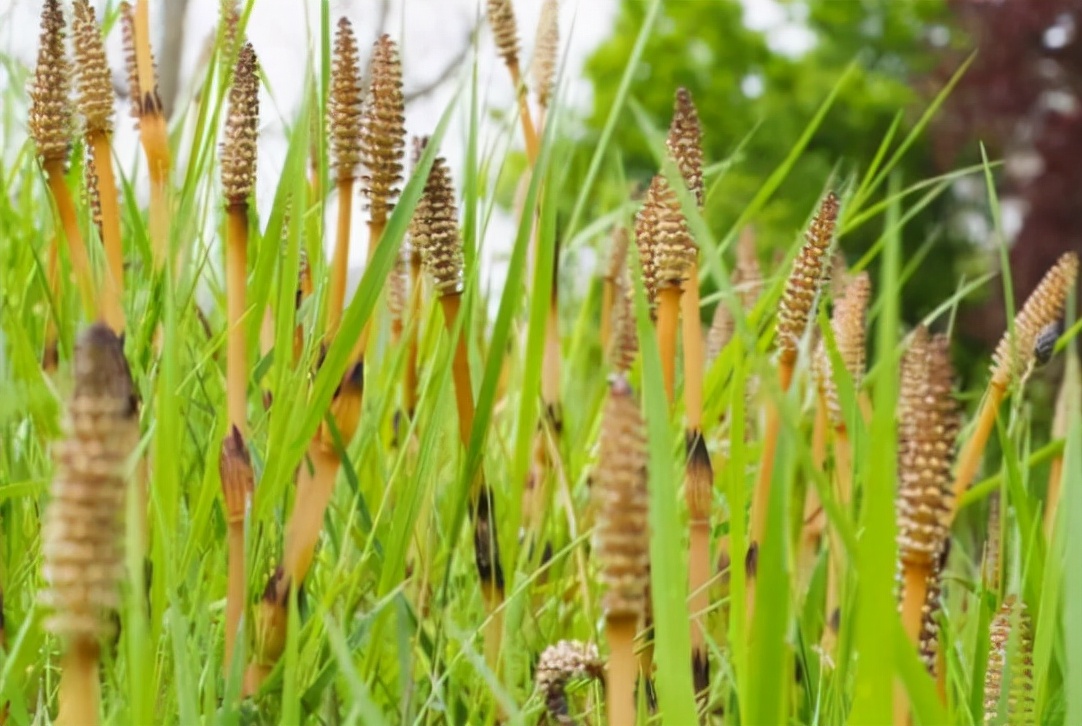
<point>684,144</point>
<point>315,486</point>
<point>848,326</point>
<point>344,129</point>
<point>238,185</point>
<point>1070,390</point>
<point>501,16</point>
<point>383,142</point>
<point>50,357</point>
<point>235,469</point>
<point>797,305</point>
<point>153,132</point>
<point>610,283</point>
<point>434,230</point>
<point>1013,356</point>
<point>1009,695</point>
<point>96,106</point>
<point>928,428</point>
<point>83,528</point>
<point>621,541</point>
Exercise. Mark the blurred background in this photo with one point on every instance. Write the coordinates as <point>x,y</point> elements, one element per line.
<point>758,69</point>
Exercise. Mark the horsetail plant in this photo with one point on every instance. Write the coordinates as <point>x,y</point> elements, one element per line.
<point>546,49</point>
<point>344,133</point>
<point>928,427</point>
<point>747,280</point>
<point>383,142</point>
<point>83,528</point>
<point>621,541</point>
<point>684,144</point>
<point>153,131</point>
<point>434,229</point>
<point>615,269</point>
<point>50,124</point>
<point>1070,390</point>
<point>1013,356</point>
<point>560,664</point>
<point>238,185</point>
<point>848,325</point>
<point>797,304</point>
<point>95,102</point>
<point>1008,680</point>
<point>501,16</point>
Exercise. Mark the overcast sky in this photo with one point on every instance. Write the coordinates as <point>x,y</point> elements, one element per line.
<point>431,33</point>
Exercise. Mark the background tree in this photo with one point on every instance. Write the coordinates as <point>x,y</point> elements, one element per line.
<point>1022,98</point>
<point>754,86</point>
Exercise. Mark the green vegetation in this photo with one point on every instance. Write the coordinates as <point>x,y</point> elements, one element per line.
<point>395,617</point>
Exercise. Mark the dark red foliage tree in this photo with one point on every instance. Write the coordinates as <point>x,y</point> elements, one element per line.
<point>1022,98</point>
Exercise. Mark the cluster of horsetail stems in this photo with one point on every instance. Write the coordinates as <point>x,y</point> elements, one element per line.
<point>50,123</point>
<point>83,526</point>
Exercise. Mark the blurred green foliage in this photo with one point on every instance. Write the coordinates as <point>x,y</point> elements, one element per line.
<point>753,91</point>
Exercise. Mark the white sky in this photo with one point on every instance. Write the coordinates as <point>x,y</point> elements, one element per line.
<point>430,33</point>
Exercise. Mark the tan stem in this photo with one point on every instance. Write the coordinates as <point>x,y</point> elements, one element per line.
<point>529,131</point>
<point>315,484</point>
<point>622,671</point>
<point>336,298</point>
<point>153,135</point>
<point>235,594</point>
<point>761,497</point>
<point>254,677</point>
<point>80,259</point>
<point>375,234</point>
<point>969,459</point>
<point>694,355</point>
<point>843,478</point>
<point>484,518</point>
<point>843,466</point>
<point>50,359</point>
<point>699,580</point>
<point>814,519</point>
<point>914,593</point>
<point>144,61</point>
<point>236,263</point>
<point>608,298</point>
<point>460,369</point>
<point>113,285</point>
<point>550,363</point>
<point>79,694</point>
<point>668,315</point>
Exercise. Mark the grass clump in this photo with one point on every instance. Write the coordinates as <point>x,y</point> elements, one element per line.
<point>608,462</point>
